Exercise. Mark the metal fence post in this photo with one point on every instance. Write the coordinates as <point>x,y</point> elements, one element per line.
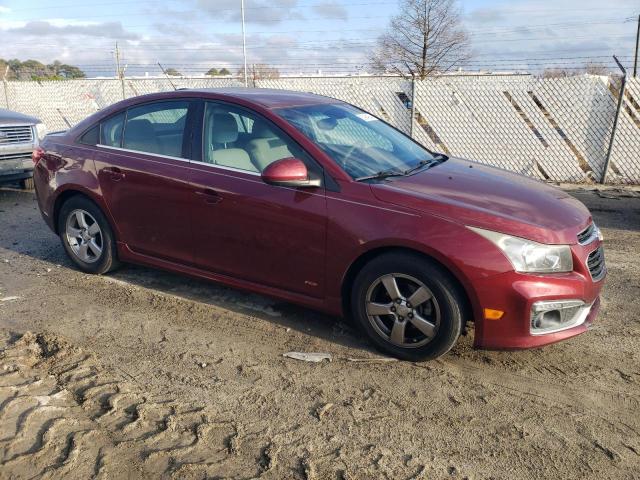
<point>6,87</point>
<point>607,160</point>
<point>6,93</point>
<point>413,104</point>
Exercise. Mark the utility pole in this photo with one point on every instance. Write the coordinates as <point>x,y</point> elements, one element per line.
<point>244,46</point>
<point>119,70</point>
<point>635,60</point>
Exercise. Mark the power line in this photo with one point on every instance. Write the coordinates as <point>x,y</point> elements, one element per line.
<point>302,5</point>
<point>153,2</point>
<point>616,20</point>
<point>340,66</point>
<point>313,45</point>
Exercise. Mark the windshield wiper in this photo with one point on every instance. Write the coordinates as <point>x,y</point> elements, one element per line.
<point>382,174</point>
<point>438,157</point>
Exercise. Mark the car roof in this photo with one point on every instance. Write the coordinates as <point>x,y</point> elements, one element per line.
<point>265,97</point>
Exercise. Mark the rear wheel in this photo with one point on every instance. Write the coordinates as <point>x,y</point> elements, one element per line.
<point>86,236</point>
<point>27,184</point>
<point>408,306</point>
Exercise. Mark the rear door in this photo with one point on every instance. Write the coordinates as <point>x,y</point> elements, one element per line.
<point>143,170</point>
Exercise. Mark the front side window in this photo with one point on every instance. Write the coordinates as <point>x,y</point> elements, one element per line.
<point>237,138</point>
<point>156,128</point>
<point>357,141</point>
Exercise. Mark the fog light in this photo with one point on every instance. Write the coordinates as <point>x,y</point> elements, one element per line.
<point>553,316</point>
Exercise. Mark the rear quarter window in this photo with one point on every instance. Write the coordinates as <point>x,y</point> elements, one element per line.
<point>91,137</point>
<point>111,131</point>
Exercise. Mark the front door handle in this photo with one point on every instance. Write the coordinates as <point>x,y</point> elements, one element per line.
<point>210,196</point>
<point>114,173</point>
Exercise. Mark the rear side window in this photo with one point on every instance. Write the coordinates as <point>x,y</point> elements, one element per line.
<point>156,128</point>
<point>111,131</point>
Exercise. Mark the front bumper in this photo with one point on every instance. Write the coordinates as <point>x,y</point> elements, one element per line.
<point>515,294</point>
<point>15,164</point>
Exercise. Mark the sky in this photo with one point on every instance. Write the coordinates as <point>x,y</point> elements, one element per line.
<point>303,36</point>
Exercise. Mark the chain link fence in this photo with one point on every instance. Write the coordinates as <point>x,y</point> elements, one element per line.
<point>557,129</point>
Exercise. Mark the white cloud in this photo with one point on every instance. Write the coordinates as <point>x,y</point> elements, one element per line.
<point>331,10</point>
<point>43,29</point>
<point>499,30</point>
<point>264,12</point>
<point>551,29</point>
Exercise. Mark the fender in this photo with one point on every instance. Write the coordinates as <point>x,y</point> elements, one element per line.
<point>77,175</point>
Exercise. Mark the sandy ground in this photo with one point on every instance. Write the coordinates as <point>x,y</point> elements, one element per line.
<point>145,374</point>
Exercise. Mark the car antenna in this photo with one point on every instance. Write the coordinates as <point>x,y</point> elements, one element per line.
<point>167,75</point>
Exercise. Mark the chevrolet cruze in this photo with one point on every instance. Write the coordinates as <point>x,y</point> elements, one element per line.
<point>314,201</point>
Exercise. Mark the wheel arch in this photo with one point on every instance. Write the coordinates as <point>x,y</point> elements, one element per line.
<point>68,193</point>
<point>369,255</point>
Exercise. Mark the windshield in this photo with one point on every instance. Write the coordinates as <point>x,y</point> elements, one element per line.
<point>357,141</point>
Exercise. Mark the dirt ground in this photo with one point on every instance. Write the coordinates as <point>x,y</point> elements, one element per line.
<point>146,374</point>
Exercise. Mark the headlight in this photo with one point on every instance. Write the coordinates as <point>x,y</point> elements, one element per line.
<point>41,130</point>
<point>529,256</point>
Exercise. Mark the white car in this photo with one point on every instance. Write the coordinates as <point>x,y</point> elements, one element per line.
<point>19,135</point>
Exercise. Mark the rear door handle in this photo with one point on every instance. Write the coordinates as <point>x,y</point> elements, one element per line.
<point>114,173</point>
<point>210,196</point>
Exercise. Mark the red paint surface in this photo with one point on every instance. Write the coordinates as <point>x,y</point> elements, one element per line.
<point>298,244</point>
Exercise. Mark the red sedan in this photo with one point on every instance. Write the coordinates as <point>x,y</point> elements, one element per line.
<point>317,202</point>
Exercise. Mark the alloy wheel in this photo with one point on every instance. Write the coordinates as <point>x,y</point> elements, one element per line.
<point>402,310</point>
<point>84,236</point>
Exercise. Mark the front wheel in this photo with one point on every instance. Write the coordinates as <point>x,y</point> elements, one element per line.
<point>408,306</point>
<point>86,236</point>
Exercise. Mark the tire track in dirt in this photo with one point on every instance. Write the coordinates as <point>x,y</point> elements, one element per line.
<point>62,415</point>
<point>605,403</point>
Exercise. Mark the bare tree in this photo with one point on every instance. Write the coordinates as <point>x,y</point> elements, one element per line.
<point>556,73</point>
<point>595,68</point>
<point>590,68</point>
<point>426,37</point>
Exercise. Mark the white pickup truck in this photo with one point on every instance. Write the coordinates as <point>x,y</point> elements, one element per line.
<point>19,135</point>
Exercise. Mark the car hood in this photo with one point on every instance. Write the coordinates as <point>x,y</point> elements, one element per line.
<point>9,117</point>
<point>477,195</point>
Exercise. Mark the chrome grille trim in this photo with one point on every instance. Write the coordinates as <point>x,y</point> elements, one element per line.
<point>596,264</point>
<point>16,156</point>
<point>588,235</point>
<point>10,134</point>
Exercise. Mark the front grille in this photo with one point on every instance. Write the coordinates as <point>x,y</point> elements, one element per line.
<point>16,134</point>
<point>595,264</point>
<point>587,235</point>
<point>16,156</point>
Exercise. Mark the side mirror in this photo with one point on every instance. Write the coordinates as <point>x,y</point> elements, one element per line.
<point>288,172</point>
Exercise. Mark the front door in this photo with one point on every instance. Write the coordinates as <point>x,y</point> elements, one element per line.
<point>144,174</point>
<point>245,228</point>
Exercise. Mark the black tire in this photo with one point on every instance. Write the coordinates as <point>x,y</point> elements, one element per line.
<point>108,258</point>
<point>444,307</point>
<point>27,184</point>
